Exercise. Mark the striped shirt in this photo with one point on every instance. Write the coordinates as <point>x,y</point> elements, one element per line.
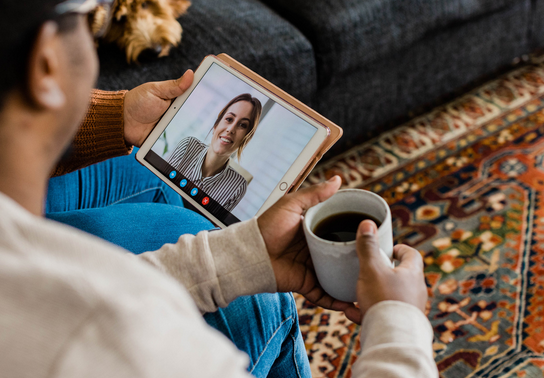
<point>227,187</point>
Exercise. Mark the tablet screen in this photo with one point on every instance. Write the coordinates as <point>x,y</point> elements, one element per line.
<point>229,146</point>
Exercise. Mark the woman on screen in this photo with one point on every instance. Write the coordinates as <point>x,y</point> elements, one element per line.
<point>208,166</point>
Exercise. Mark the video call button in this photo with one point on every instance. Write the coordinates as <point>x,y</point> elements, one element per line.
<point>172,174</point>
<point>183,183</point>
<point>194,192</point>
<point>205,201</point>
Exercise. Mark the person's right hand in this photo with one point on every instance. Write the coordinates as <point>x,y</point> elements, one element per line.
<point>380,282</point>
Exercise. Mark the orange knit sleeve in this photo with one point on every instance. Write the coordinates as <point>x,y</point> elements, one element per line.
<point>101,135</point>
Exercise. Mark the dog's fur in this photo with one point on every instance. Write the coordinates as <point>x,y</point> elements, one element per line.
<point>139,25</point>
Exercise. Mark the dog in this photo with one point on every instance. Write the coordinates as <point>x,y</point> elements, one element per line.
<point>146,25</point>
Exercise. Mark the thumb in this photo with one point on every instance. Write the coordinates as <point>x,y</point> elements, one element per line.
<point>315,194</point>
<point>367,246</point>
<point>171,89</point>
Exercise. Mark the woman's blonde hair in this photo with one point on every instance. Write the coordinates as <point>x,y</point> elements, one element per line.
<point>253,118</point>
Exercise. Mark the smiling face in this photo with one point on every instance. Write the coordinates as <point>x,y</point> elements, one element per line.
<point>231,129</point>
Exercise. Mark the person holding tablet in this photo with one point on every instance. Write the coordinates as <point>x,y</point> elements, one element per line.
<point>74,305</point>
<point>208,166</point>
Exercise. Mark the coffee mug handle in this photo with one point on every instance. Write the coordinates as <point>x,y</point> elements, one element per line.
<point>389,262</point>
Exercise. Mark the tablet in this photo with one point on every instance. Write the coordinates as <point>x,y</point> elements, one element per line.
<point>233,143</point>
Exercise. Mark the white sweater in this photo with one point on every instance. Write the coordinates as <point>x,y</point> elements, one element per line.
<point>72,305</point>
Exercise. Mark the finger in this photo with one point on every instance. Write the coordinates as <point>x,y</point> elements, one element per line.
<point>315,194</point>
<point>318,297</point>
<point>354,314</point>
<point>408,257</point>
<point>367,245</point>
<point>171,89</point>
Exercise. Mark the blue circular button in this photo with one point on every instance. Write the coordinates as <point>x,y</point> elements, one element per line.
<point>194,192</point>
<point>172,174</point>
<point>183,183</point>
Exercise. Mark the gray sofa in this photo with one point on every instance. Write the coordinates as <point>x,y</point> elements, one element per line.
<point>364,64</point>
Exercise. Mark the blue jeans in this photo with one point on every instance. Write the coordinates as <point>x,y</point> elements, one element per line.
<point>124,203</point>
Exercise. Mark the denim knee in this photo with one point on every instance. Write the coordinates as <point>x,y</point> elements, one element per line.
<point>288,306</point>
<point>137,227</point>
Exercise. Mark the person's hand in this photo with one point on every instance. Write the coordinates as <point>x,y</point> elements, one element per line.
<point>145,105</point>
<point>281,228</point>
<point>378,281</point>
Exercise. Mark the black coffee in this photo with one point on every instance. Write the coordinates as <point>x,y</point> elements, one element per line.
<point>342,227</point>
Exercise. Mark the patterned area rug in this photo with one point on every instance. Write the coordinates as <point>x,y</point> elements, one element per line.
<point>466,186</point>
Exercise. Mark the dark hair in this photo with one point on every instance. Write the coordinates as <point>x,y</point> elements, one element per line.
<point>253,118</point>
<point>20,21</point>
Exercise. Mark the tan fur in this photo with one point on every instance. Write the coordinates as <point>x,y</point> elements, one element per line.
<point>138,25</point>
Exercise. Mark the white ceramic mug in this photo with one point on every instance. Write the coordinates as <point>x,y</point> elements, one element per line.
<point>336,263</point>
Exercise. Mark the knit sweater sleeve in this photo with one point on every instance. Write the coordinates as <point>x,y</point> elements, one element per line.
<point>101,135</point>
<point>396,341</point>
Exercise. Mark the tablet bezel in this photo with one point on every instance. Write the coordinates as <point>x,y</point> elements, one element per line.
<point>305,159</point>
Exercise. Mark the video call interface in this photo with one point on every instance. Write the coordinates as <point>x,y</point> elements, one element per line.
<point>229,146</point>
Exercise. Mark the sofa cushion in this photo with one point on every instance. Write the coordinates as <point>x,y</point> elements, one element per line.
<point>537,24</point>
<point>348,33</point>
<point>247,30</point>
<point>383,93</point>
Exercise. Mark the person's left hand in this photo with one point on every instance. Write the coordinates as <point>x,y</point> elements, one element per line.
<point>145,105</point>
<point>281,228</point>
